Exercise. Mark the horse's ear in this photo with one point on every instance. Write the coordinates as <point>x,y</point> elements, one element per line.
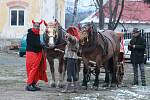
<point>33,22</point>
<point>45,23</point>
<point>41,22</point>
<point>56,22</point>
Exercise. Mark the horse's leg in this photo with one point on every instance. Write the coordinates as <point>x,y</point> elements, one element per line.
<point>97,71</point>
<point>61,71</point>
<point>51,64</point>
<point>119,74</point>
<point>113,69</point>
<point>78,68</point>
<point>85,73</point>
<point>107,75</point>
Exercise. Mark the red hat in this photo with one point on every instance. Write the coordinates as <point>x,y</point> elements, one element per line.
<point>74,32</point>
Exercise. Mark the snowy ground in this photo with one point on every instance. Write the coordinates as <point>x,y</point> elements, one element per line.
<point>12,85</point>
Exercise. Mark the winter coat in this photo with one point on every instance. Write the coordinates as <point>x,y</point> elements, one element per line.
<point>137,53</point>
<point>71,48</point>
<point>33,42</point>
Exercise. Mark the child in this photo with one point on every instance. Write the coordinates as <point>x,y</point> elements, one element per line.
<point>71,57</point>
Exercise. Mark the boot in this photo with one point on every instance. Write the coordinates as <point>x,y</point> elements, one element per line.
<point>36,87</point>
<point>135,83</point>
<point>67,88</point>
<point>143,82</point>
<point>75,88</point>
<point>30,88</point>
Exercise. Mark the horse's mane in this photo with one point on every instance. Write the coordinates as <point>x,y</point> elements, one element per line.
<point>96,40</point>
<point>92,35</point>
<point>61,35</point>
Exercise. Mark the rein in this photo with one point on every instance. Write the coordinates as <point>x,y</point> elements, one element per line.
<point>59,42</point>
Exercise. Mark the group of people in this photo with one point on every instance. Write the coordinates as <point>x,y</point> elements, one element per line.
<point>36,59</point>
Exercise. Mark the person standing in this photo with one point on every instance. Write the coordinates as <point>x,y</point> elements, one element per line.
<point>137,47</point>
<point>35,58</point>
<point>71,49</point>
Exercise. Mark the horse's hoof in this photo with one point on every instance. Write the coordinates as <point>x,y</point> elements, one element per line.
<point>84,83</point>
<point>95,84</point>
<point>105,85</point>
<point>119,85</point>
<point>84,87</point>
<point>61,85</point>
<point>53,85</point>
<point>65,91</point>
<point>95,88</point>
<point>113,85</point>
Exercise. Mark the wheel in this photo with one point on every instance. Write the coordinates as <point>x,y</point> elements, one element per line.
<point>120,73</point>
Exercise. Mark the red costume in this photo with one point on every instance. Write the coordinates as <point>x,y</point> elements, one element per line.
<point>36,67</point>
<point>35,58</point>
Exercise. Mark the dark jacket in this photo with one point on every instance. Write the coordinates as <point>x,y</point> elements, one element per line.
<point>137,53</point>
<point>33,42</point>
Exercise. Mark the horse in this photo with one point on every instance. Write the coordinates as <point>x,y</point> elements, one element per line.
<point>54,45</point>
<point>102,48</point>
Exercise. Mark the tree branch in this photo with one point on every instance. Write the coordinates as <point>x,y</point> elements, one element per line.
<point>122,7</point>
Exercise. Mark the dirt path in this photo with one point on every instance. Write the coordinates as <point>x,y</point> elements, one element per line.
<point>13,75</point>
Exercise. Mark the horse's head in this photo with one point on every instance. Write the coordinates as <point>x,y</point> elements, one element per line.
<point>84,35</point>
<point>51,33</point>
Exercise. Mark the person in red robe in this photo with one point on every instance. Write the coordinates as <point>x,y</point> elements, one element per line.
<point>35,58</point>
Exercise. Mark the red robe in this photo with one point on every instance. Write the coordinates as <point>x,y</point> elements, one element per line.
<point>35,67</point>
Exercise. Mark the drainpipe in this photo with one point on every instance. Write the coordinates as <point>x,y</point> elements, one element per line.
<point>56,9</point>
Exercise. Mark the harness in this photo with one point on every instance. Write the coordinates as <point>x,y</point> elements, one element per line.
<point>105,46</point>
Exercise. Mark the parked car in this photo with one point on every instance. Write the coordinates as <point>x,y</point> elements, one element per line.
<point>23,44</point>
<point>127,53</point>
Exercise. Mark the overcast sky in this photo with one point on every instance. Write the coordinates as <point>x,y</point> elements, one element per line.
<point>83,5</point>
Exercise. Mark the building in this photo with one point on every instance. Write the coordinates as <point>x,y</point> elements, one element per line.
<point>16,15</point>
<point>135,14</point>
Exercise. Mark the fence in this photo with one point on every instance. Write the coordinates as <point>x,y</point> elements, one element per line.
<point>146,35</point>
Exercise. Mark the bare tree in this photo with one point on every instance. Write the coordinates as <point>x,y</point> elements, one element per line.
<point>114,16</point>
<point>101,13</point>
<point>75,12</point>
<point>113,12</point>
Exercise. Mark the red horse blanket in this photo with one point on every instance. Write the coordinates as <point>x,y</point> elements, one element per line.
<point>35,67</point>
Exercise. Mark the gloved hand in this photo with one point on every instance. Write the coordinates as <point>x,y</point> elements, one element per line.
<point>69,39</point>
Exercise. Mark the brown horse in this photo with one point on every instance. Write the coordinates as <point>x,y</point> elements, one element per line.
<point>102,48</point>
<point>54,38</point>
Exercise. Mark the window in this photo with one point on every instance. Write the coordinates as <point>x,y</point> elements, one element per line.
<point>17,17</point>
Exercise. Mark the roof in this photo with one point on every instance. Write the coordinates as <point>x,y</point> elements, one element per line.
<point>135,11</point>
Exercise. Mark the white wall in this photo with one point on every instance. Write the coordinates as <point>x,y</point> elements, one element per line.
<point>48,10</point>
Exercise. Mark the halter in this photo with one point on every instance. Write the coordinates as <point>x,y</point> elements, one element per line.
<point>53,37</point>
